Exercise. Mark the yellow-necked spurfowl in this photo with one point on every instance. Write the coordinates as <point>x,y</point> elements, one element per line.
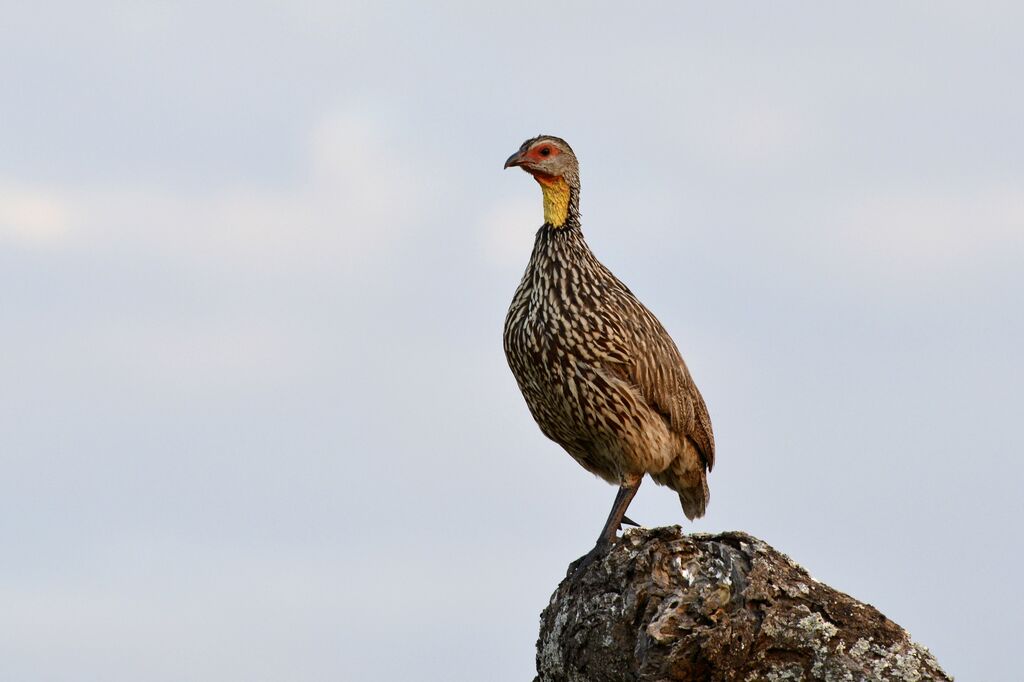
<point>599,373</point>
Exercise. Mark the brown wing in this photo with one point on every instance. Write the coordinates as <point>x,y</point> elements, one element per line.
<point>651,362</point>
<point>662,377</point>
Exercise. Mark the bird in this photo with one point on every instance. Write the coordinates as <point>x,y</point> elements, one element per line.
<point>600,375</point>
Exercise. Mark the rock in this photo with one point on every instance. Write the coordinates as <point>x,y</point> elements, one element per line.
<point>663,605</point>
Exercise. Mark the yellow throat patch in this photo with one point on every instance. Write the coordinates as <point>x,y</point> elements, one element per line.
<point>556,199</point>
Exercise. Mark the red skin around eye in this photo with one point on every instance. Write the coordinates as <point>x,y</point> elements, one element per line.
<point>535,155</point>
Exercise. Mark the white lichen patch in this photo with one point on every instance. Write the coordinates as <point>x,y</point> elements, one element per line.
<point>860,647</point>
<point>816,626</point>
<point>896,663</point>
<point>903,664</point>
<point>789,673</point>
<point>550,654</point>
<point>817,633</point>
<point>808,628</point>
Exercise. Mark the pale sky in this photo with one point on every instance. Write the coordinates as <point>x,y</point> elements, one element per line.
<point>256,422</point>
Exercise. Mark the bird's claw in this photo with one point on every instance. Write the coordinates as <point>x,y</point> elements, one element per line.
<point>598,552</point>
<point>628,521</point>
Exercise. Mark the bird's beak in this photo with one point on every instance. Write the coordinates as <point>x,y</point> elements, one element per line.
<point>515,160</point>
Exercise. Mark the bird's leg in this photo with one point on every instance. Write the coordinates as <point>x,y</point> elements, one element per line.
<point>615,517</point>
<point>622,499</point>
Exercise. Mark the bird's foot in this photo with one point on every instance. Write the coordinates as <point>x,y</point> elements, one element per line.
<point>600,550</point>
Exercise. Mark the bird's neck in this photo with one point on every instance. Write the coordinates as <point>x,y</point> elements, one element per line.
<point>561,201</point>
<point>556,247</point>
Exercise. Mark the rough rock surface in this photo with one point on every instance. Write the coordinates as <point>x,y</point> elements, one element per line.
<point>663,605</point>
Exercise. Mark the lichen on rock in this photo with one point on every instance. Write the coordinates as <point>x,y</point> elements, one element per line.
<point>663,605</point>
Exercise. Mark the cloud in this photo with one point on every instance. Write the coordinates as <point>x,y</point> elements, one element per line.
<point>235,598</point>
<point>358,196</point>
<point>33,217</point>
<point>189,293</point>
<point>931,234</point>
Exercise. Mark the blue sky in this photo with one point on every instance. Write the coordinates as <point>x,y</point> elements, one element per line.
<point>256,421</point>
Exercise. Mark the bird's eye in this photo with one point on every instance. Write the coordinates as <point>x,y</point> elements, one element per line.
<point>545,151</point>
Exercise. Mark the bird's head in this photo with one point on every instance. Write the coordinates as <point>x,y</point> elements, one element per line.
<point>552,163</point>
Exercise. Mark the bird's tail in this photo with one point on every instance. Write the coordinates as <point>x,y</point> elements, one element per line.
<point>695,500</point>
<point>688,476</point>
